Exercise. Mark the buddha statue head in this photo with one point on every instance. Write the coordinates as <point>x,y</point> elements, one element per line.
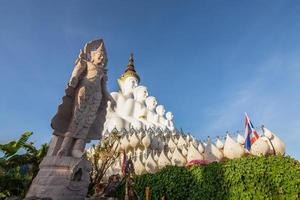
<point>127,85</point>
<point>99,55</point>
<point>160,110</point>
<point>151,103</point>
<point>169,116</point>
<point>140,93</point>
<point>129,79</point>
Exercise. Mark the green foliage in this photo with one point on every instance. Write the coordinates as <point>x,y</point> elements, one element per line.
<point>273,177</point>
<point>12,147</point>
<point>17,170</point>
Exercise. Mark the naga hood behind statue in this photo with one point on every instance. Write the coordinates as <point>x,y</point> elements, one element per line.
<point>61,121</point>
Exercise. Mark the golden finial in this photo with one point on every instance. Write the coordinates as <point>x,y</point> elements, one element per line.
<point>130,71</point>
<point>130,65</point>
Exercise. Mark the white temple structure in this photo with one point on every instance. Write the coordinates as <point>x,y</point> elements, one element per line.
<point>149,136</point>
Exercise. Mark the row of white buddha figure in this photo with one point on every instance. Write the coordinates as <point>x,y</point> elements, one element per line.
<point>153,151</point>
<point>134,108</point>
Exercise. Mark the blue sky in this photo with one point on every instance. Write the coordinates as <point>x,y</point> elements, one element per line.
<point>207,61</point>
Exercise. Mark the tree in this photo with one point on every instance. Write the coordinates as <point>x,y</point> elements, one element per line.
<point>18,170</point>
<point>102,156</point>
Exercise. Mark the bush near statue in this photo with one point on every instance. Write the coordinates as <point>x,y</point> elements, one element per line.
<point>19,165</point>
<point>252,177</point>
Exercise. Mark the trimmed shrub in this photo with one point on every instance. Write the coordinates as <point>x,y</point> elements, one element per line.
<point>273,177</point>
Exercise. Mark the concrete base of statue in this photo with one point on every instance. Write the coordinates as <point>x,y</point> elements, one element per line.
<point>61,178</point>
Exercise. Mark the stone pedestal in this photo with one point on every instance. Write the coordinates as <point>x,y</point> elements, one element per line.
<point>61,178</point>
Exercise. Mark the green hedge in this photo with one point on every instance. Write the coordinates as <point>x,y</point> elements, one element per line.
<point>273,177</point>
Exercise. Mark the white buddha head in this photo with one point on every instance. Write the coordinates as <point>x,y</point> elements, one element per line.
<point>129,79</point>
<point>140,93</point>
<point>169,116</point>
<point>151,102</point>
<point>160,110</point>
<point>127,86</point>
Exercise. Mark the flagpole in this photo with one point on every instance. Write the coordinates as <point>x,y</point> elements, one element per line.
<point>245,135</point>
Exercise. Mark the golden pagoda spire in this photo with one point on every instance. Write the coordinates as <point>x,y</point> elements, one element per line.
<point>130,71</point>
<point>130,65</point>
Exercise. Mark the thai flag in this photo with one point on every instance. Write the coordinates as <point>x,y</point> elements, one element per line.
<point>250,133</point>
